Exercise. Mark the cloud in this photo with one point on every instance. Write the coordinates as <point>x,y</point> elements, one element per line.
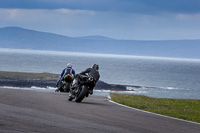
<point>169,6</point>
<point>131,6</point>
<point>75,12</point>
<point>60,21</point>
<point>40,14</point>
<point>121,19</point>
<point>185,17</point>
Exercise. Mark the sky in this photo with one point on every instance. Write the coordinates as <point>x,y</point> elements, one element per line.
<point>119,19</point>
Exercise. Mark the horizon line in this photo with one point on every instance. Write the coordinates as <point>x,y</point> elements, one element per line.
<point>51,52</point>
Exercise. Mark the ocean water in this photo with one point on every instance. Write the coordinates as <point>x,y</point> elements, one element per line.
<point>157,77</point>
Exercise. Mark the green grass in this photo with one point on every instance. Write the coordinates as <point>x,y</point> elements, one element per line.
<point>178,108</point>
<point>39,76</point>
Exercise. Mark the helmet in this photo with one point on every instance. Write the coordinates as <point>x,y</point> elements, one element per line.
<point>95,66</point>
<point>69,65</point>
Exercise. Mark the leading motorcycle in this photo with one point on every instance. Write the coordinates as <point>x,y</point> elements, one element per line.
<point>66,83</point>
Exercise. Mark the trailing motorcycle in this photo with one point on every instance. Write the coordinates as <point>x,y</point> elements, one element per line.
<point>82,88</point>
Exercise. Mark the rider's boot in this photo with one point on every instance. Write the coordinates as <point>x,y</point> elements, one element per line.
<point>58,85</point>
<point>72,89</point>
<point>91,92</point>
<point>71,94</point>
<point>57,90</point>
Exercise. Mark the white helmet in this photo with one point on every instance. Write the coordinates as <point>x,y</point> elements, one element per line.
<point>69,65</point>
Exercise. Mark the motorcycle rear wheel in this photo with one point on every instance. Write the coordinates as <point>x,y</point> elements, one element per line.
<point>67,87</point>
<point>82,94</point>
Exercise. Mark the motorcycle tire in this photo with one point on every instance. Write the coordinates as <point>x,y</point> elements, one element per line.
<point>67,87</point>
<point>82,94</point>
<point>61,90</point>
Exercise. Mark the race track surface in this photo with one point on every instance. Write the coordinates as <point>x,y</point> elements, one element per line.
<point>26,111</point>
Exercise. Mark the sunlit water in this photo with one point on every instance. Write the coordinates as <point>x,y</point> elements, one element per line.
<point>158,77</point>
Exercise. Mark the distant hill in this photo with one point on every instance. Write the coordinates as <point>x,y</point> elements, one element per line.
<point>19,38</point>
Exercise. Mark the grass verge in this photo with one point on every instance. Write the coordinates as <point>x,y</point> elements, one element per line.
<point>40,76</point>
<point>178,108</point>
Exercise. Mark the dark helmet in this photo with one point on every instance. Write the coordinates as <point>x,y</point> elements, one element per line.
<point>95,66</point>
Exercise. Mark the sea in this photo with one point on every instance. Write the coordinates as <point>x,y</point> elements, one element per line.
<point>159,77</point>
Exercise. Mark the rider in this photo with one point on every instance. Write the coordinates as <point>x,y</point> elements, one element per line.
<point>68,70</point>
<point>92,72</point>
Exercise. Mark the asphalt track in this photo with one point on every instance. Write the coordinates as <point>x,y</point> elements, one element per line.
<point>26,111</point>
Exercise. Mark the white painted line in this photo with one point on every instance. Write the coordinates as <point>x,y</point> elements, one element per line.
<point>109,99</point>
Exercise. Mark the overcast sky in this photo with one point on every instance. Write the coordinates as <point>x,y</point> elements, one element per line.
<point>120,19</point>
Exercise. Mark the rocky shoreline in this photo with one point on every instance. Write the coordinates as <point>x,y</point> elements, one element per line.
<point>19,79</point>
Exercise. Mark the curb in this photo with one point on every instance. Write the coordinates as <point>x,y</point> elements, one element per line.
<point>109,99</point>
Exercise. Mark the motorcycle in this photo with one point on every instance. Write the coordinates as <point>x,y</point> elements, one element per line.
<point>83,89</point>
<point>66,83</point>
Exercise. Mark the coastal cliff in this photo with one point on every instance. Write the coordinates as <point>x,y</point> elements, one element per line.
<point>21,79</point>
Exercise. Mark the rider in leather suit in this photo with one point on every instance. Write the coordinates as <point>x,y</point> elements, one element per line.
<point>92,72</point>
